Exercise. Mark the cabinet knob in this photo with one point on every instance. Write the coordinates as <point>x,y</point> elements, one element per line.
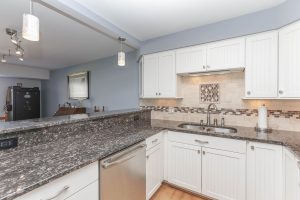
<point>252,148</point>
<point>207,66</point>
<point>280,92</point>
<point>248,93</point>
<point>147,157</point>
<point>199,151</point>
<point>159,93</point>
<point>203,152</point>
<point>203,67</point>
<point>156,94</point>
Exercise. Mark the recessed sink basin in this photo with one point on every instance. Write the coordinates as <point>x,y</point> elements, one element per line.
<point>213,129</point>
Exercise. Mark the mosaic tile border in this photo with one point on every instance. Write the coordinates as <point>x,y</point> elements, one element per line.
<point>224,111</point>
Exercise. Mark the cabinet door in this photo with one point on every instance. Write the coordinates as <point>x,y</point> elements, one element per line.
<point>223,174</point>
<point>167,75</point>
<point>289,61</point>
<point>262,65</point>
<point>154,170</point>
<point>264,171</point>
<point>184,165</point>
<point>227,54</point>
<point>91,192</point>
<point>150,76</point>
<point>291,176</point>
<point>191,59</point>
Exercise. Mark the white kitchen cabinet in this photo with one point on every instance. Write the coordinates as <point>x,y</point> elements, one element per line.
<point>159,78</point>
<point>223,174</point>
<point>226,54</point>
<point>150,75</point>
<point>261,73</point>
<point>90,192</point>
<point>78,183</point>
<point>154,169</point>
<point>289,61</point>
<point>291,176</point>
<point>264,171</point>
<point>184,165</point>
<point>191,59</point>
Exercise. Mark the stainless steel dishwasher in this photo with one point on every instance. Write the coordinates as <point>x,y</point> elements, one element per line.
<point>123,175</point>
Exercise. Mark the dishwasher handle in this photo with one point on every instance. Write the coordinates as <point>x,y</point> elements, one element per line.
<point>123,158</point>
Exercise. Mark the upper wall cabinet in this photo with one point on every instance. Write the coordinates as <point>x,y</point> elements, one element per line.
<point>289,61</point>
<point>222,55</point>
<point>191,59</point>
<point>261,65</point>
<point>227,54</point>
<point>159,76</point>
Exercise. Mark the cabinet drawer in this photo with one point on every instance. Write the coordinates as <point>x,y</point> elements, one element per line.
<point>238,146</point>
<point>154,140</point>
<point>74,181</point>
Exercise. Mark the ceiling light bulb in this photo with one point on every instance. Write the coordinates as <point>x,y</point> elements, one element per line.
<point>3,59</point>
<point>30,29</point>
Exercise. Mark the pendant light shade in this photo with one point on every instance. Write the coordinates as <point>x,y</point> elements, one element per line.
<point>121,59</point>
<point>31,27</point>
<point>121,54</point>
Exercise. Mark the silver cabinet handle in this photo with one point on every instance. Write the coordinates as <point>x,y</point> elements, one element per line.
<point>154,141</point>
<point>108,163</point>
<point>59,193</point>
<point>201,142</point>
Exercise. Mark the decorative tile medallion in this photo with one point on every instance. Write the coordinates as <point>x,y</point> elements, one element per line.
<point>209,93</point>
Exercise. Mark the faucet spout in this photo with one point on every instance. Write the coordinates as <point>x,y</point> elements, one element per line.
<point>210,107</point>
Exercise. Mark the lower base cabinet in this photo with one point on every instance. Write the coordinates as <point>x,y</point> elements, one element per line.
<point>184,165</point>
<point>223,174</point>
<point>90,192</point>
<point>264,172</point>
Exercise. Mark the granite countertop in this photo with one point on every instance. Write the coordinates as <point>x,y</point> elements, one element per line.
<point>289,139</point>
<point>22,125</point>
<point>25,170</point>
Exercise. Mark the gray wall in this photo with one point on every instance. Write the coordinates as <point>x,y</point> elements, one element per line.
<point>248,24</point>
<point>6,82</point>
<point>110,85</point>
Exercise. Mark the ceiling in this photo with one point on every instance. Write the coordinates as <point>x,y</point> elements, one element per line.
<point>63,42</point>
<point>146,19</point>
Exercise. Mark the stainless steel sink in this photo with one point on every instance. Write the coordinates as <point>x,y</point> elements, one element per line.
<point>212,129</point>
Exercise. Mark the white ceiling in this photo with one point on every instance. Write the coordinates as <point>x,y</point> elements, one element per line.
<point>146,19</point>
<point>63,42</point>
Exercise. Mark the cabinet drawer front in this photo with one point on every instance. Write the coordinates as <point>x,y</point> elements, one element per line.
<point>154,140</point>
<point>75,181</point>
<point>238,146</point>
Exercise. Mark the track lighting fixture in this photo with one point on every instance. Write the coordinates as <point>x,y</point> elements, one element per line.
<point>121,53</point>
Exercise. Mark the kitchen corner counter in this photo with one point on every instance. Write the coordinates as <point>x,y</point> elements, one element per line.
<point>289,139</point>
<point>25,168</point>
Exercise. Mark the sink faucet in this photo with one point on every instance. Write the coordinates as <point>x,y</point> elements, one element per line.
<point>209,109</point>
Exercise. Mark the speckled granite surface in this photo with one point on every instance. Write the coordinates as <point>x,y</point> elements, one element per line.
<point>48,153</point>
<point>286,138</point>
<point>9,127</point>
<point>58,148</point>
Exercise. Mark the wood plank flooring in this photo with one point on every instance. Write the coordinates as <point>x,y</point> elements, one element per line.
<point>166,192</point>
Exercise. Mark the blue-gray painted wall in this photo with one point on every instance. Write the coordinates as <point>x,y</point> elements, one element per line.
<point>110,85</point>
<point>269,19</point>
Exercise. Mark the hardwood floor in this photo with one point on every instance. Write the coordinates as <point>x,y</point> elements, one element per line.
<point>166,192</point>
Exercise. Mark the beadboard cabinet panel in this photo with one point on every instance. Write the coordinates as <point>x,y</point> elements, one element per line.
<point>261,73</point>
<point>227,54</point>
<point>223,174</point>
<point>264,171</point>
<point>150,75</point>
<point>191,59</point>
<point>184,165</point>
<point>289,61</point>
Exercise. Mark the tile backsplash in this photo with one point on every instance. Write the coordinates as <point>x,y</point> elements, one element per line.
<point>282,114</point>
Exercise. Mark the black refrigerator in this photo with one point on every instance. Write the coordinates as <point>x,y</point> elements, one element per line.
<point>25,103</point>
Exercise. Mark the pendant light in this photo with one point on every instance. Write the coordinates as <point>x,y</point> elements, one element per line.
<point>121,53</point>
<point>31,26</point>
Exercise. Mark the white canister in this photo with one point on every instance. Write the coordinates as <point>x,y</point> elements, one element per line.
<point>262,117</point>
